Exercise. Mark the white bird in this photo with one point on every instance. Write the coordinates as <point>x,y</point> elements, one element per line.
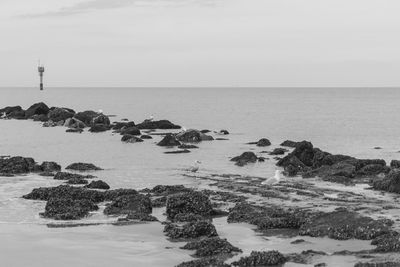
<point>100,111</point>
<point>151,118</point>
<point>195,167</point>
<point>273,180</point>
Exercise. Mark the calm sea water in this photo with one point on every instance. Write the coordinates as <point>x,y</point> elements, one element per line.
<point>340,120</point>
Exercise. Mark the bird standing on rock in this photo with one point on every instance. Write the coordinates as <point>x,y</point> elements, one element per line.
<point>273,180</point>
<point>195,167</point>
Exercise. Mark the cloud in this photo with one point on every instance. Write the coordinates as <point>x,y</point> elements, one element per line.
<point>92,5</point>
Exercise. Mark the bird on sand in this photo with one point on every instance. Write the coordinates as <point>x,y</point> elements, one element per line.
<point>273,180</point>
<point>195,167</point>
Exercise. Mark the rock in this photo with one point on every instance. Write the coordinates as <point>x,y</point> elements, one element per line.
<point>263,258</point>
<point>289,143</point>
<point>49,124</point>
<point>41,117</point>
<point>391,183</point>
<point>82,167</point>
<point>389,242</point>
<point>372,169</point>
<point>72,130</point>
<point>263,142</point>
<point>205,262</point>
<point>98,185</point>
<point>377,264</point>
<point>166,190</point>
<point>188,202</point>
<point>86,116</point>
<point>37,109</point>
<point>245,158</point>
<point>395,164</point>
<point>338,169</point>
<point>66,191</point>
<point>10,109</point>
<point>18,115</point>
<point>161,124</point>
<point>50,166</point>
<point>134,203</point>
<point>182,151</point>
<point>278,151</point>
<point>77,181</point>
<point>74,123</point>
<point>144,136</point>
<point>211,246</point>
<point>101,119</point>
<point>68,209</point>
<point>59,114</point>
<point>127,138</point>
<point>169,140</point>
<point>191,230</point>
<point>18,165</point>
<point>193,136</point>
<point>97,128</point>
<point>111,195</point>
<point>188,217</point>
<point>130,130</point>
<point>120,125</point>
<point>68,175</point>
<point>344,225</point>
<point>224,132</point>
<point>187,146</point>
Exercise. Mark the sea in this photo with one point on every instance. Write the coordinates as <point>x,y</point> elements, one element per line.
<point>351,121</point>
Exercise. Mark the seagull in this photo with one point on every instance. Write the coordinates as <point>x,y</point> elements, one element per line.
<point>151,118</point>
<point>195,167</point>
<point>100,111</point>
<point>273,180</point>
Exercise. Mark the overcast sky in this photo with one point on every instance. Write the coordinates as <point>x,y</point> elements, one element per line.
<point>200,42</point>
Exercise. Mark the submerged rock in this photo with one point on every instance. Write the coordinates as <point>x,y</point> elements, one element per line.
<point>211,246</point>
<point>131,139</point>
<point>83,167</point>
<point>98,185</point>
<point>245,158</point>
<point>144,136</point>
<point>74,130</point>
<point>278,151</point>
<point>169,140</point>
<point>186,146</point>
<point>68,209</point>
<point>182,151</point>
<point>142,217</point>
<point>263,258</point>
<point>77,181</point>
<point>189,202</point>
<point>191,230</point>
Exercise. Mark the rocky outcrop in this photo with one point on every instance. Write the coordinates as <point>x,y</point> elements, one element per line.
<point>395,164</point>
<point>133,203</point>
<point>169,140</point>
<point>100,119</point>
<point>98,185</point>
<point>161,124</point>
<point>190,230</point>
<point>389,242</point>
<point>391,182</point>
<point>59,114</point>
<point>21,165</point>
<point>10,109</point>
<point>119,125</point>
<point>50,166</point>
<point>37,109</point>
<point>193,136</point>
<point>68,209</point>
<point>86,116</point>
<point>83,167</point>
<point>189,202</point>
<point>204,262</point>
<point>211,246</point>
<point>66,191</point>
<point>245,158</point>
<point>263,258</point>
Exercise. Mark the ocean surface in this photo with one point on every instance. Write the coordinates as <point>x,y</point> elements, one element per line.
<point>340,120</point>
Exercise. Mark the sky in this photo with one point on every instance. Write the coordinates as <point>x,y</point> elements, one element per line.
<point>200,43</point>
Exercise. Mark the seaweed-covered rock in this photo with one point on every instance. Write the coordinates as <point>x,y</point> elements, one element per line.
<point>245,158</point>
<point>343,225</point>
<point>68,175</point>
<point>193,136</point>
<point>204,262</point>
<point>389,242</point>
<point>72,130</point>
<point>86,116</point>
<point>372,169</point>
<point>98,185</point>
<point>83,167</point>
<point>189,202</point>
<point>169,140</point>
<point>68,209</point>
<point>188,217</point>
<point>289,143</point>
<point>50,166</point>
<point>130,130</point>
<point>111,195</point>
<point>161,124</point>
<point>59,114</point>
<point>37,109</point>
<point>165,190</point>
<point>263,142</point>
<point>211,246</point>
<point>127,204</point>
<point>395,164</point>
<point>127,138</point>
<point>65,191</point>
<point>263,258</point>
<point>391,183</point>
<point>18,165</point>
<point>191,230</point>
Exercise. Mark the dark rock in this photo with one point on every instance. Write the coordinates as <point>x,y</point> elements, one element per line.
<point>98,185</point>
<point>377,264</point>
<point>77,181</point>
<point>111,195</point>
<point>193,136</point>
<point>68,175</point>
<point>165,190</point>
<point>50,166</point>
<point>126,204</point>
<point>65,191</point>
<point>10,109</point>
<point>68,209</point>
<point>98,128</point>
<point>74,123</point>
<point>224,132</point>
<point>343,225</point>
<point>128,138</point>
<point>169,140</point>
<point>389,242</point>
<point>395,164</point>
<point>37,109</point>
<point>83,167</point>
<point>245,158</point>
<point>391,183</point>
<point>278,151</point>
<point>205,262</point>
<point>120,125</point>
<point>289,143</point>
<point>130,130</point>
<point>372,169</point>
<point>182,151</point>
<point>18,115</point>
<point>205,131</point>
<point>263,258</point>
<point>18,165</point>
<point>101,119</point>
<point>161,124</point>
<point>73,130</point>
<point>298,241</point>
<point>41,117</point>
<point>59,114</point>
<point>144,136</point>
<point>188,217</point>
<point>188,202</point>
<point>263,142</point>
<point>211,246</point>
<point>191,230</point>
<point>187,146</point>
<point>86,116</point>
<point>221,139</point>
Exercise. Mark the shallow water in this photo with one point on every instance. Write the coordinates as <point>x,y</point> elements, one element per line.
<point>348,121</point>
